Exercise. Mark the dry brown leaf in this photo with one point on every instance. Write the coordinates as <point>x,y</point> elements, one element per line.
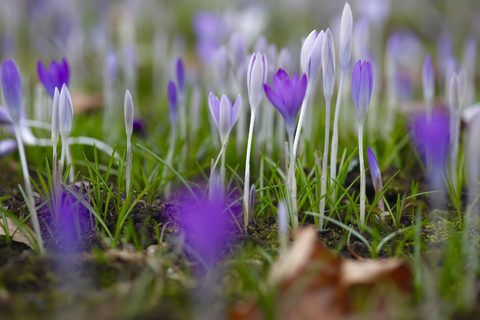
<point>316,284</point>
<point>18,235</point>
<point>85,102</point>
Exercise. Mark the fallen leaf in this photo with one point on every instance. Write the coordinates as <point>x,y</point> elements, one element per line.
<point>18,235</point>
<point>314,283</point>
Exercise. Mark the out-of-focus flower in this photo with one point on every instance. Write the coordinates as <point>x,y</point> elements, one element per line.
<point>237,49</point>
<point>256,76</point>
<point>284,61</point>
<point>272,57</point>
<point>361,38</point>
<point>444,53</point>
<point>403,84</point>
<point>210,29</point>
<point>432,137</point>
<point>139,126</point>
<point>428,77</point>
<point>173,102</point>
<point>7,146</point>
<point>180,74</point>
<point>56,117</point>
<point>224,113</point>
<point>110,70</point>
<point>206,228</point>
<point>261,45</point>
<point>12,90</point>
<point>4,117</point>
<point>221,65</point>
<point>56,77</point>
<point>362,84</point>
<point>311,56</point>
<point>287,96</point>
<point>328,64</point>
<point>457,89</point>
<point>346,26</point>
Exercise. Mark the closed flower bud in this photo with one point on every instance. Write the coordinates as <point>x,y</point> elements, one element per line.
<point>172,102</point>
<point>328,64</point>
<point>311,55</point>
<point>128,111</point>
<point>284,61</point>
<point>237,49</point>
<point>65,112</point>
<point>256,76</point>
<point>56,116</point>
<point>346,26</point>
<point>12,90</point>
<point>180,73</point>
<point>428,77</point>
<point>362,84</point>
<point>220,65</point>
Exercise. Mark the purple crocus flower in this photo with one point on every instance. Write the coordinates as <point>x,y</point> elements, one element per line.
<point>180,73</point>
<point>287,96</point>
<point>428,78</point>
<point>12,90</point>
<point>210,29</point>
<point>376,176</point>
<point>173,102</point>
<point>432,138</point>
<point>362,84</point>
<point>56,77</point>
<point>7,146</point>
<point>224,113</point>
<point>4,117</point>
<point>206,227</point>
<point>139,126</point>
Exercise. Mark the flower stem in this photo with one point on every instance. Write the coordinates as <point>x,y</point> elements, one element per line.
<point>171,149</point>
<point>246,187</point>
<point>28,187</point>
<point>129,163</point>
<point>362,177</point>
<point>328,101</point>
<point>333,158</point>
<point>292,183</point>
<point>300,120</point>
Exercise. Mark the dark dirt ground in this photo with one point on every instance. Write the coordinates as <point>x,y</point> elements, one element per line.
<point>88,270</point>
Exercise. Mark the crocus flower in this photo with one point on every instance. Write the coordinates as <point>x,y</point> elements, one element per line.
<point>287,96</point>
<point>210,29</point>
<point>172,102</point>
<point>376,176</point>
<point>4,117</point>
<point>220,65</point>
<point>65,112</point>
<point>311,56</point>
<point>206,227</point>
<point>7,146</point>
<point>237,49</point>
<point>55,118</point>
<point>284,61</point>
<point>180,73</point>
<point>428,77</point>
<point>361,39</point>
<point>224,113</point>
<point>362,84</point>
<point>328,64</point>
<point>256,76</point>
<point>139,126</point>
<point>12,90</point>
<point>346,26</point>
<point>55,77</point>
<point>128,113</point>
<point>110,70</point>
<point>432,137</point>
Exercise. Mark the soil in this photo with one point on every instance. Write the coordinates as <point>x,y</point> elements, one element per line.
<point>80,274</point>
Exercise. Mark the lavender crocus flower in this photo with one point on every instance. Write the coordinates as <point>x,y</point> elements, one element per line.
<point>362,84</point>
<point>287,96</point>
<point>55,77</point>
<point>224,113</point>
<point>376,176</point>
<point>256,76</point>
<point>284,61</point>
<point>12,90</point>
<point>7,146</point>
<point>237,49</point>
<point>173,102</point>
<point>328,64</point>
<point>311,56</point>
<point>220,65</point>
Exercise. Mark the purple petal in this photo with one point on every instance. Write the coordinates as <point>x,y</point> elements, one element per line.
<point>12,90</point>
<point>7,146</point>
<point>214,105</point>
<point>172,102</point>
<point>373,166</point>
<point>45,78</point>
<point>180,76</point>
<point>236,109</point>
<point>4,117</point>
<point>356,83</point>
<point>275,99</point>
